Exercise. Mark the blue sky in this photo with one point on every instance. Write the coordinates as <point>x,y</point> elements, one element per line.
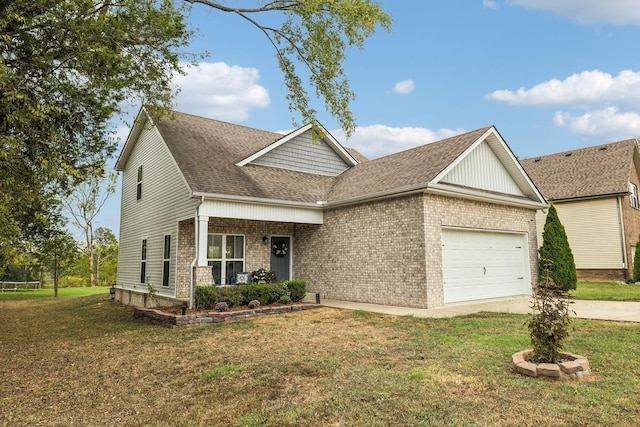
<point>551,75</point>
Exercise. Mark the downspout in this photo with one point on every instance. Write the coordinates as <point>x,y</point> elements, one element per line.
<point>622,237</point>
<point>196,224</point>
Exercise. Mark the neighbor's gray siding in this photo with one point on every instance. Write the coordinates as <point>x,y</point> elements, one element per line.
<point>165,200</point>
<point>303,154</point>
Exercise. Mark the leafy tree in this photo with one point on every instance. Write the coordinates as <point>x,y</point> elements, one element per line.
<point>556,250</point>
<point>106,256</point>
<point>316,34</point>
<point>636,263</point>
<point>58,254</point>
<point>66,68</point>
<point>84,205</point>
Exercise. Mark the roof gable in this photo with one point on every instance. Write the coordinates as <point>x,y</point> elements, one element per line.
<point>478,161</point>
<point>489,165</point>
<point>299,151</point>
<point>589,172</point>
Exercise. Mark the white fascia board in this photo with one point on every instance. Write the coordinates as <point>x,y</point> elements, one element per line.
<point>337,147</point>
<point>261,209</point>
<point>445,190</point>
<point>255,200</point>
<point>501,149</point>
<point>481,196</point>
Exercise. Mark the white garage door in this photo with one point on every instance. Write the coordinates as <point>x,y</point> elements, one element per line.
<point>482,264</point>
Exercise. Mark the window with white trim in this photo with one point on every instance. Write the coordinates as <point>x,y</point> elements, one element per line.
<point>166,262</point>
<point>225,255</point>
<point>139,186</point>
<point>143,262</point>
<point>633,195</point>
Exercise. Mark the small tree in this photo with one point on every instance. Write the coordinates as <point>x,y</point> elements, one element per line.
<point>549,324</point>
<point>58,254</point>
<point>636,263</point>
<point>555,248</point>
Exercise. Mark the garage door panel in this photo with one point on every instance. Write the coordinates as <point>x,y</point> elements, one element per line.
<point>482,264</point>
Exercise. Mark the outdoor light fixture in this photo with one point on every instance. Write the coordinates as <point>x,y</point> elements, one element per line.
<point>265,240</point>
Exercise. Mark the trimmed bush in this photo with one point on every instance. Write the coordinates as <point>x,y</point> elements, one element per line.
<point>297,289</point>
<point>555,248</point>
<point>206,297</point>
<point>265,293</point>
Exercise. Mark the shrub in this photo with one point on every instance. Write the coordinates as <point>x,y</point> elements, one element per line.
<point>222,306</point>
<point>207,296</point>
<point>254,304</point>
<point>555,248</point>
<point>549,324</point>
<point>285,299</point>
<point>297,289</point>
<point>72,282</point>
<point>265,293</point>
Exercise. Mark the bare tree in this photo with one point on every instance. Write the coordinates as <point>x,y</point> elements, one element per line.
<point>84,205</point>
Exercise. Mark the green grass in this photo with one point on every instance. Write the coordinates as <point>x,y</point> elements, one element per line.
<point>48,293</point>
<point>83,361</point>
<point>606,291</point>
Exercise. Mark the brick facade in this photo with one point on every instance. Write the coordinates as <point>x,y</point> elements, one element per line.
<point>390,251</point>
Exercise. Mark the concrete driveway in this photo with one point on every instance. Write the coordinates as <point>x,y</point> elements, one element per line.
<point>601,310</point>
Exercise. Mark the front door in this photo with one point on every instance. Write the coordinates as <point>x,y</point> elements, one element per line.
<point>281,257</point>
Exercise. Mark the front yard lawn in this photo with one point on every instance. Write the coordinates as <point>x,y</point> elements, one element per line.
<point>606,291</point>
<point>82,361</point>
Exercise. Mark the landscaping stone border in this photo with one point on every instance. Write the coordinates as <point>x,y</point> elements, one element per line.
<point>572,366</point>
<point>169,320</point>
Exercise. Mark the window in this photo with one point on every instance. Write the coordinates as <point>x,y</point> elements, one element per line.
<point>143,262</point>
<point>633,195</point>
<point>166,262</point>
<point>225,255</point>
<point>139,187</point>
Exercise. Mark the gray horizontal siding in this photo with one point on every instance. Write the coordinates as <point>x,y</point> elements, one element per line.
<point>303,154</point>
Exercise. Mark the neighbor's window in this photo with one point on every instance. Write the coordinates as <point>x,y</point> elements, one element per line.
<point>633,195</point>
<point>166,263</point>
<point>139,187</point>
<point>143,262</point>
<point>225,255</point>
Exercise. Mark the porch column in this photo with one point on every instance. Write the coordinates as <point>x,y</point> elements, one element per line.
<point>203,232</point>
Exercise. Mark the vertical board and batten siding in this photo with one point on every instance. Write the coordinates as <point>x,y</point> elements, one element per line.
<point>165,200</point>
<point>593,230</point>
<point>303,154</point>
<point>482,169</point>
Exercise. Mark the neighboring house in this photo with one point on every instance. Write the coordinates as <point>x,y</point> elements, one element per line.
<point>595,191</point>
<point>204,200</point>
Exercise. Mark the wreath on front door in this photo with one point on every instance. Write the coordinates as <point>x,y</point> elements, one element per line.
<point>279,249</point>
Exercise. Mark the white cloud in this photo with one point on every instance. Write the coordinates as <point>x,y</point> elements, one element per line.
<point>586,88</point>
<point>608,122</point>
<point>221,91</point>
<point>490,4</point>
<point>404,87</point>
<point>609,103</point>
<point>617,12</point>
<point>379,140</point>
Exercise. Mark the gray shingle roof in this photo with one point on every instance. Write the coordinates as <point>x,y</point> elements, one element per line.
<point>592,171</point>
<point>207,151</point>
<point>402,170</point>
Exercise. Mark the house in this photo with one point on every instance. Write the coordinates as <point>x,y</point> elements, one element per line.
<point>595,191</point>
<point>204,200</point>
